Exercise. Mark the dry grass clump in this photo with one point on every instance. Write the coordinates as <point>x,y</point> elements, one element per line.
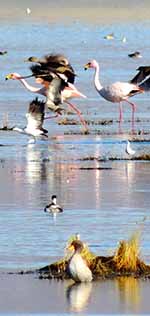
<point>127,255</point>
<point>126,261</point>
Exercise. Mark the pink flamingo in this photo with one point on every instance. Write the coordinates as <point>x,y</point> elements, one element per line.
<point>67,93</point>
<point>117,92</point>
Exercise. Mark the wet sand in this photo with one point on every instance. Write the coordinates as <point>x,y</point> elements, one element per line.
<point>68,11</point>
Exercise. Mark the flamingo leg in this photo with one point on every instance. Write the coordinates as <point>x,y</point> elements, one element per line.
<point>120,113</point>
<point>78,113</point>
<point>133,112</point>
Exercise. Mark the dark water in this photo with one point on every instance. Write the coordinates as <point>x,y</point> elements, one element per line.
<point>104,201</point>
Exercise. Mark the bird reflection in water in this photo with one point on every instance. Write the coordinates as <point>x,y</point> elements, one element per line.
<point>36,168</point>
<point>78,296</point>
<point>129,291</point>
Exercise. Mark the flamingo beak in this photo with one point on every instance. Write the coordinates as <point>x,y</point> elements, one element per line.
<point>9,76</point>
<point>87,66</point>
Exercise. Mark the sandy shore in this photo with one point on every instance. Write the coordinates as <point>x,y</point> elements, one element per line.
<point>66,11</point>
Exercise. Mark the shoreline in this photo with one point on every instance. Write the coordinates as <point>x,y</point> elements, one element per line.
<point>97,15</point>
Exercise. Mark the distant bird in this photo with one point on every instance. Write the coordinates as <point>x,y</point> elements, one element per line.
<point>35,119</point>
<point>116,92</point>
<point>109,36</point>
<point>77,266</point>
<point>124,39</point>
<point>53,207</point>
<point>3,52</point>
<point>135,55</point>
<point>129,150</point>
<point>28,11</point>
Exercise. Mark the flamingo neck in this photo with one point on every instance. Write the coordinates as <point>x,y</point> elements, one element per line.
<point>26,85</point>
<point>97,83</point>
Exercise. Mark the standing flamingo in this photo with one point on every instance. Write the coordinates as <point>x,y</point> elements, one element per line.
<point>116,92</point>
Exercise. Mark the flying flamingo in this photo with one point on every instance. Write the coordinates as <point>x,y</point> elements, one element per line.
<point>57,76</point>
<point>70,91</point>
<point>117,92</point>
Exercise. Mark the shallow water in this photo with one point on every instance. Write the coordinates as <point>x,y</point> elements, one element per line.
<point>105,201</point>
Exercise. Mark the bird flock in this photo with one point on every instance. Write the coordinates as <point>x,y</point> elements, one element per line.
<point>56,76</point>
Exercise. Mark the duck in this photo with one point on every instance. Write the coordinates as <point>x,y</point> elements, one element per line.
<point>135,55</point>
<point>77,267</point>
<point>53,207</point>
<point>3,52</point>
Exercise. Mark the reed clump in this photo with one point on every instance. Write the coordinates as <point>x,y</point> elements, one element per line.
<point>125,261</point>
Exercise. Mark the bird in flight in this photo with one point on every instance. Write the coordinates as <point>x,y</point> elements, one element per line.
<point>35,119</point>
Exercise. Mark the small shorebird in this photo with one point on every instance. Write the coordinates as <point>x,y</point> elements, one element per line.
<point>35,119</point>
<point>53,207</point>
<point>116,92</point>
<point>129,150</point>
<point>28,11</point>
<point>135,55</point>
<point>77,266</point>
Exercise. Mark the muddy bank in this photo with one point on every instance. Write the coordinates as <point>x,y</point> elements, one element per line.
<point>125,262</point>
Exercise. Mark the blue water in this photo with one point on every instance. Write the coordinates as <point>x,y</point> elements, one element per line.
<point>104,206</point>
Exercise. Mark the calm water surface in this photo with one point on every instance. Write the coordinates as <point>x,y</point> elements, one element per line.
<point>103,201</point>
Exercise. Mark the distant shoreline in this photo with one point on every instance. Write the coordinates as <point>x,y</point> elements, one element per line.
<point>97,15</point>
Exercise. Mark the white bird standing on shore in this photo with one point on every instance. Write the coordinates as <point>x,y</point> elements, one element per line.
<point>35,119</point>
<point>116,92</point>
<point>129,150</point>
<point>77,266</point>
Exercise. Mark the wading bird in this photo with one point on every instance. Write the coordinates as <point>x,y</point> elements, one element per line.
<point>129,150</point>
<point>57,77</point>
<point>77,266</point>
<point>117,92</point>
<point>53,207</point>
<point>35,119</point>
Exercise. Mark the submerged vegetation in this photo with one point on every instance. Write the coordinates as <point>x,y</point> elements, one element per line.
<point>125,262</point>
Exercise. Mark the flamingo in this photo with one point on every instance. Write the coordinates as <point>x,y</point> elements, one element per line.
<point>117,92</point>
<point>35,119</point>
<point>142,77</point>
<point>55,73</point>
<point>70,91</point>
<point>56,63</point>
